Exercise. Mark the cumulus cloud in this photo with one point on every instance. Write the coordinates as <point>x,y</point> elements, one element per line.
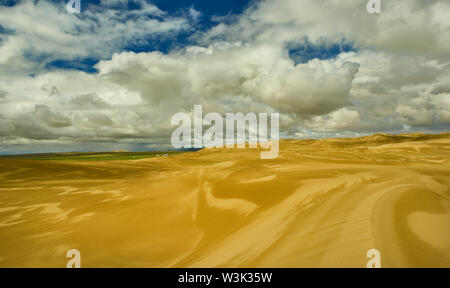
<point>233,71</point>
<point>412,27</point>
<point>391,90</point>
<point>42,31</point>
<point>335,121</point>
<point>396,78</point>
<point>50,118</point>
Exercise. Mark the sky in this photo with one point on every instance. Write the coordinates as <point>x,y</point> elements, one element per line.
<point>112,76</point>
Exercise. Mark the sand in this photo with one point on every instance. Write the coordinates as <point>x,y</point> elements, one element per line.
<point>321,203</point>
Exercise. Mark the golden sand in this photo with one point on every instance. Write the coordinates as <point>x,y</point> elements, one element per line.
<point>321,203</point>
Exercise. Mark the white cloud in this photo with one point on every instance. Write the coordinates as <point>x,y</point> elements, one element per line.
<point>195,14</point>
<point>414,27</point>
<point>398,76</point>
<point>335,121</point>
<point>43,31</point>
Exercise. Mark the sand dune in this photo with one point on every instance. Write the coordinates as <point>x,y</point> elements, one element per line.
<point>321,203</point>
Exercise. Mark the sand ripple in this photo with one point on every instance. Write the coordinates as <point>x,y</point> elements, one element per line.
<point>322,203</point>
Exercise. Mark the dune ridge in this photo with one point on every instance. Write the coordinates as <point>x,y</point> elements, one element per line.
<point>321,203</point>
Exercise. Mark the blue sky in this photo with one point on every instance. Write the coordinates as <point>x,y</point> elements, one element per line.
<point>302,53</point>
<point>208,8</point>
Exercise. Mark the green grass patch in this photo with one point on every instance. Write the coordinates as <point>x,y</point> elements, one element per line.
<point>93,156</point>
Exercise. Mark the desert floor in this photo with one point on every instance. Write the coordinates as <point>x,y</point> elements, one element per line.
<point>321,203</point>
